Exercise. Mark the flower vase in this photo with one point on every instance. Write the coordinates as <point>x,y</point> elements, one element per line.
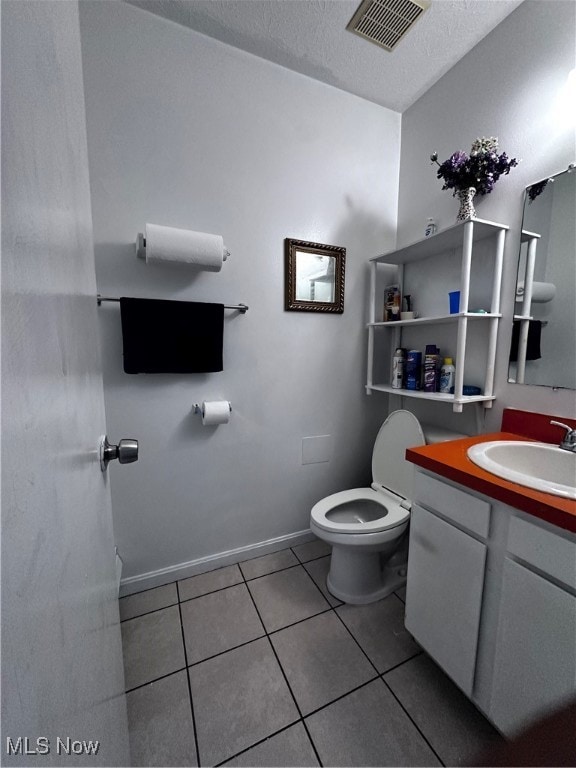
<point>467,210</point>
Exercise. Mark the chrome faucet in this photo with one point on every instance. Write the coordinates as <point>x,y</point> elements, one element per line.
<point>569,439</point>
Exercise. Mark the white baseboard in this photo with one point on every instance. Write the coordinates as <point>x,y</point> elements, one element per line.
<point>132,584</point>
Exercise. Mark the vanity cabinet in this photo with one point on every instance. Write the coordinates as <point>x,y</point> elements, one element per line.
<point>444,592</point>
<point>534,665</point>
<point>463,239</point>
<point>491,596</point>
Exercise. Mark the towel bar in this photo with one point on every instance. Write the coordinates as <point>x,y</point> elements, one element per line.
<point>243,308</point>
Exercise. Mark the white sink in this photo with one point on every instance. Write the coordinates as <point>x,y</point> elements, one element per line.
<point>534,465</point>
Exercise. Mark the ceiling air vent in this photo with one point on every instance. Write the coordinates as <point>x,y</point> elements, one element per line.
<point>385,22</point>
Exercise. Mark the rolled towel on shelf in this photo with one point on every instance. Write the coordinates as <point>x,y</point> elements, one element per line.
<point>541,292</point>
<point>162,244</point>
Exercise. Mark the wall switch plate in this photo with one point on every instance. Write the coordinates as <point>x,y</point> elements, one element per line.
<point>317,449</point>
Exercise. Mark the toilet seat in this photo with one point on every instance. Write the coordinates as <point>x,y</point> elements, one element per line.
<point>392,516</point>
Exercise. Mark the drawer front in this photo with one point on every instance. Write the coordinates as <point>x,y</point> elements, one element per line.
<point>467,511</point>
<point>551,553</point>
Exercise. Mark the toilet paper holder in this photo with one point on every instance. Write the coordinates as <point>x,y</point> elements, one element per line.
<point>197,410</point>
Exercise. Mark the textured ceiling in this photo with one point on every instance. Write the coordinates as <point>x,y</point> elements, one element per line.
<point>310,37</point>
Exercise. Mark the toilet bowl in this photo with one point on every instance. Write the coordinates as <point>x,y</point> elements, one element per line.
<point>367,527</point>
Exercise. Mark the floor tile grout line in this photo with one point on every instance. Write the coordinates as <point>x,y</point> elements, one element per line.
<point>155,680</point>
<point>399,598</point>
<point>317,587</point>
<point>211,592</point>
<point>301,719</point>
<point>147,613</point>
<point>214,570</point>
<point>401,663</point>
<point>148,589</point>
<point>356,641</point>
<point>302,562</point>
<point>381,676</point>
<point>342,696</point>
<point>270,573</point>
<point>260,741</point>
<point>268,635</point>
<point>221,653</point>
<point>188,680</point>
<point>305,724</point>
<point>300,621</point>
<point>320,763</point>
<point>408,715</point>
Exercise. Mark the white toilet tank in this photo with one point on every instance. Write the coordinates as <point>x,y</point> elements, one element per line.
<point>400,431</point>
<point>434,434</point>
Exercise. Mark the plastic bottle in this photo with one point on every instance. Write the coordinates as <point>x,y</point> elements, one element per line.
<point>431,228</point>
<point>414,369</point>
<point>430,368</point>
<point>447,376</point>
<point>398,368</point>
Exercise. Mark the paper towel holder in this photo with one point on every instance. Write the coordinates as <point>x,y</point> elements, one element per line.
<point>141,248</point>
<point>197,410</point>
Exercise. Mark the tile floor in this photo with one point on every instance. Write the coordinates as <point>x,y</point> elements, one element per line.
<point>257,664</point>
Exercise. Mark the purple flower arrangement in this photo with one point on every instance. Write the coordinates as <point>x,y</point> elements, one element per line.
<point>537,189</point>
<point>480,169</point>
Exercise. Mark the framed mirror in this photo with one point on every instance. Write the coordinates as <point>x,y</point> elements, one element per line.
<point>314,276</point>
<point>543,344</point>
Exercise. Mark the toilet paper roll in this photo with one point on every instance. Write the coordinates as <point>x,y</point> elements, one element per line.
<point>215,412</point>
<point>199,249</point>
<point>541,292</point>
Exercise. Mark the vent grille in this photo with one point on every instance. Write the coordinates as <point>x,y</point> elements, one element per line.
<point>385,22</point>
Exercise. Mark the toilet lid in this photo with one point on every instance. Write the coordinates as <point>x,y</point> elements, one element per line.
<point>400,431</point>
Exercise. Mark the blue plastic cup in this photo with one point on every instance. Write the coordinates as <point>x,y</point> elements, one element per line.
<point>454,297</point>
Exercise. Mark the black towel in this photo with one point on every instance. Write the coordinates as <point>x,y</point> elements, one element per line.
<point>171,336</point>
<point>532,344</point>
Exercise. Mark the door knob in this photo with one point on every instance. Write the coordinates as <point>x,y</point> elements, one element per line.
<point>126,452</point>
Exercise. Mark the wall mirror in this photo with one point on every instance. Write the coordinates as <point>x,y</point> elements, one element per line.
<point>543,344</point>
<point>314,276</point>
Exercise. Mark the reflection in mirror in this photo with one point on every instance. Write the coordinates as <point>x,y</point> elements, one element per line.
<point>314,276</point>
<point>543,345</point>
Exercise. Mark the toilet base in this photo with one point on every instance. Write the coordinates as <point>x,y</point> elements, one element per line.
<point>359,578</point>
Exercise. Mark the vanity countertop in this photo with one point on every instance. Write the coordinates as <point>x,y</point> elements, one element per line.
<point>450,460</point>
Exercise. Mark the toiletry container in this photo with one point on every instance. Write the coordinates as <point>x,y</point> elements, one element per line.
<point>414,369</point>
<point>431,228</point>
<point>431,368</point>
<point>398,366</point>
<point>447,376</point>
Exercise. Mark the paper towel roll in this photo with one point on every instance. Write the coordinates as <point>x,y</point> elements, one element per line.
<point>541,292</point>
<point>215,412</point>
<point>199,249</point>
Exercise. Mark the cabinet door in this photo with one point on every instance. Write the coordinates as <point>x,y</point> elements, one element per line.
<point>444,594</point>
<point>535,663</point>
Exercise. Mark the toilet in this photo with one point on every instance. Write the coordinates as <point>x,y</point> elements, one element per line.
<point>368,527</point>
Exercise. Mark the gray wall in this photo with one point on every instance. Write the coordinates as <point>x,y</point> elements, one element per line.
<point>189,132</point>
<point>510,85</point>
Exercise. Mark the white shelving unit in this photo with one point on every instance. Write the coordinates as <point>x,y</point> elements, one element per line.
<point>463,236</point>
<point>526,315</point>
